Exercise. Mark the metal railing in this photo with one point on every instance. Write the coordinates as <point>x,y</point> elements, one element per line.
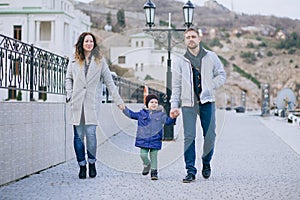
<point>28,68</point>
<point>133,92</point>
<point>24,67</point>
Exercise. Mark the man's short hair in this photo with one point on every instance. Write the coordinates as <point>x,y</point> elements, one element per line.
<point>192,29</point>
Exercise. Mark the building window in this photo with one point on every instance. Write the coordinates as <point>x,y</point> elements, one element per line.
<point>18,32</point>
<point>45,31</point>
<point>53,5</point>
<point>137,44</point>
<point>142,67</point>
<point>142,43</point>
<point>121,59</point>
<point>66,36</point>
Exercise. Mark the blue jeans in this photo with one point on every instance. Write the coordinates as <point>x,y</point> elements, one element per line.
<point>206,113</point>
<point>91,142</point>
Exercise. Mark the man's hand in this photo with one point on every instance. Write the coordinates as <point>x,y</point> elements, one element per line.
<point>174,112</point>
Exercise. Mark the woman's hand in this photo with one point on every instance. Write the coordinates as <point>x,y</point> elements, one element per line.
<point>121,106</point>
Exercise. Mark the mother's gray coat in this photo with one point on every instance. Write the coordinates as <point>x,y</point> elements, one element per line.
<point>86,91</point>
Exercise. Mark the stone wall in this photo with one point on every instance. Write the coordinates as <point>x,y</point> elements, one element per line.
<point>32,138</point>
<point>36,135</point>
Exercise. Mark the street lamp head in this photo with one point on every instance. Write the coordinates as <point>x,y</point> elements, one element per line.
<point>188,12</point>
<point>149,9</point>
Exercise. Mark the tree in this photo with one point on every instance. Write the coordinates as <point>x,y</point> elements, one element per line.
<point>292,41</point>
<point>108,18</point>
<point>121,18</point>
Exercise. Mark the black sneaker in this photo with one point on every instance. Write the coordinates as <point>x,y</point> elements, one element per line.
<point>206,171</point>
<point>82,172</point>
<point>146,170</point>
<point>92,170</point>
<point>189,178</point>
<point>154,174</point>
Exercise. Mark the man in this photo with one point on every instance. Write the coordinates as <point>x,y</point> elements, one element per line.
<point>196,75</point>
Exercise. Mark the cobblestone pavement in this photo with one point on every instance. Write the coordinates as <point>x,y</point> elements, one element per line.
<point>251,161</point>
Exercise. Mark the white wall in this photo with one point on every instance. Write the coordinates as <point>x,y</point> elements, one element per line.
<point>32,138</point>
<point>35,135</point>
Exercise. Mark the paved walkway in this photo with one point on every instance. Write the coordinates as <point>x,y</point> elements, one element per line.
<point>253,160</point>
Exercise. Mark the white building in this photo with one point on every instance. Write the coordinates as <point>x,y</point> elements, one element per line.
<point>142,56</point>
<point>53,25</point>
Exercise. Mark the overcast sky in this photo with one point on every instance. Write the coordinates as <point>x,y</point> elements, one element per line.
<point>279,8</point>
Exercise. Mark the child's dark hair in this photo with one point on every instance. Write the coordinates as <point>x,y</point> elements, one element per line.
<point>149,97</point>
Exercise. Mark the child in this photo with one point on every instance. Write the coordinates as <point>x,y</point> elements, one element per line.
<point>151,120</point>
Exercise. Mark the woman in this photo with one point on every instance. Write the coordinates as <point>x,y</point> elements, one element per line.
<point>84,78</point>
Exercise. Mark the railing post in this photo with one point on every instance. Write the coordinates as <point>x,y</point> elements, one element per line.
<point>31,72</point>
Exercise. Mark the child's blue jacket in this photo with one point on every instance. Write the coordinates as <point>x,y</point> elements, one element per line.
<point>150,126</point>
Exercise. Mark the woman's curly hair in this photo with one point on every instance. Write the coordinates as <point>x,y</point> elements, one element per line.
<point>79,52</point>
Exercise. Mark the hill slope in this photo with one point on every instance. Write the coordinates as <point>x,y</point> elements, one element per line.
<point>237,35</point>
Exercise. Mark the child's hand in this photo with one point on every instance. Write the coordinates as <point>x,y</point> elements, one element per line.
<point>174,113</point>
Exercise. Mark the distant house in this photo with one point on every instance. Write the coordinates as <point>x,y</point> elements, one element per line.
<point>250,30</point>
<point>53,25</point>
<point>142,56</point>
<point>280,35</point>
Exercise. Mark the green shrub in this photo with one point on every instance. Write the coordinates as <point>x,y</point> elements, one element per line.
<point>250,45</point>
<point>19,96</point>
<point>291,51</point>
<point>269,53</point>
<point>246,75</point>
<point>292,41</point>
<point>224,61</point>
<point>248,57</point>
<point>215,42</point>
<point>262,44</point>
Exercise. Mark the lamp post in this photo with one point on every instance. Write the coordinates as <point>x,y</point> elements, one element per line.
<point>265,107</point>
<point>243,99</point>
<point>188,12</point>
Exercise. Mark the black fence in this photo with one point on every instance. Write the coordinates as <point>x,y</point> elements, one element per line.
<point>24,67</point>
<point>28,68</point>
<point>133,92</point>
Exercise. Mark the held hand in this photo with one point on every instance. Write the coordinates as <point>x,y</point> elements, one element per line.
<point>121,107</point>
<point>174,112</point>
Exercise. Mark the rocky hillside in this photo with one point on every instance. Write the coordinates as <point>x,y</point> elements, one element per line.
<point>245,42</point>
<point>212,14</point>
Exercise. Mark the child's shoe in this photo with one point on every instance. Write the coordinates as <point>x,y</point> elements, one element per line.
<point>154,174</point>
<point>146,169</point>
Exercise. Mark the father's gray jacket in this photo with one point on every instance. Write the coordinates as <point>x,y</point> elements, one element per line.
<point>213,76</point>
